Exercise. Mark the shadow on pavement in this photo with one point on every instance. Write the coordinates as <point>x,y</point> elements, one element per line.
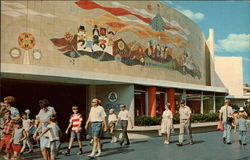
<point>135,142</point>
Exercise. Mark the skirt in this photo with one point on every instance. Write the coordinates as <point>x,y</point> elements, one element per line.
<point>166,126</point>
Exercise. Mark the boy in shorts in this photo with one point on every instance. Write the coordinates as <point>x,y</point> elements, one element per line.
<point>75,123</point>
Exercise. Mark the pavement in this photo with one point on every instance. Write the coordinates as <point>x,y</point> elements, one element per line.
<point>207,146</point>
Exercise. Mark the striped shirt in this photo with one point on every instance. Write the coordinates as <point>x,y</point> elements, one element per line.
<point>76,119</point>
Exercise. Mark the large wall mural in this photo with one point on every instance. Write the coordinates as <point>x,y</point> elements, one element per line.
<point>140,40</point>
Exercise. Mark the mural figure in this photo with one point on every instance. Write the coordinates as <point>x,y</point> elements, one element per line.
<point>96,35</point>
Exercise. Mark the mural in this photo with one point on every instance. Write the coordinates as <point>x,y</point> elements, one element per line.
<point>112,36</point>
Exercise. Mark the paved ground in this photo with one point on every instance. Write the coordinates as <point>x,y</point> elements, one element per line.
<point>207,146</point>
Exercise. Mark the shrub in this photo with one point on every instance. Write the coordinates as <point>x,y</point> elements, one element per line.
<point>195,118</point>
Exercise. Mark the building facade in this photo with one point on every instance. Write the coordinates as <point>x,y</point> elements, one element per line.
<point>138,53</point>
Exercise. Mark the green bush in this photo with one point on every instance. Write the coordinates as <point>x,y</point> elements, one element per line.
<point>195,118</point>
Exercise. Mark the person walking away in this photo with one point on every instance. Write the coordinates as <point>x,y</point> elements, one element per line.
<point>185,123</point>
<point>75,123</point>
<point>97,117</point>
<point>112,119</point>
<point>242,124</point>
<point>123,118</point>
<point>166,123</point>
<point>225,117</point>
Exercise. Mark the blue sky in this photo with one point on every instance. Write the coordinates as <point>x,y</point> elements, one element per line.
<point>229,19</point>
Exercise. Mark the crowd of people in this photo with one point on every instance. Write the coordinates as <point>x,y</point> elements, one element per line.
<point>18,130</point>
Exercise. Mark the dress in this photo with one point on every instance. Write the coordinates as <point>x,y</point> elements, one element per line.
<point>166,122</point>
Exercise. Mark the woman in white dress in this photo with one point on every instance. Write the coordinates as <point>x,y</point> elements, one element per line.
<point>166,123</point>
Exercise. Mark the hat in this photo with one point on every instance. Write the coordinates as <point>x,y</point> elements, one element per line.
<point>182,101</point>
<point>241,109</point>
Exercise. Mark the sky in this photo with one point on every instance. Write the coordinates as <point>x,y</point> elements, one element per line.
<point>230,21</point>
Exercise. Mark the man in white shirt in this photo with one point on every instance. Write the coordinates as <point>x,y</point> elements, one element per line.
<point>124,117</point>
<point>185,123</point>
<point>224,117</point>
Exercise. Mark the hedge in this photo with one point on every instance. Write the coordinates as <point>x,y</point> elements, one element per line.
<point>151,121</point>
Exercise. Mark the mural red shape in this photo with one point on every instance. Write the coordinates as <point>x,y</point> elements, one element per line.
<point>66,44</point>
<point>88,4</point>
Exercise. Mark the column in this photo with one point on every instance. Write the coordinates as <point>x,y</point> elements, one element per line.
<point>170,93</point>
<point>214,107</point>
<point>152,101</point>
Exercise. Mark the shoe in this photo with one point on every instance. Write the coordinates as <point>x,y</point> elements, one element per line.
<point>98,154</point>
<point>191,142</point>
<point>165,142</point>
<point>244,144</point>
<point>6,158</point>
<point>127,144</point>
<point>115,139</point>
<point>229,143</point>
<point>79,153</point>
<point>224,140</point>
<point>92,155</point>
<point>66,153</point>
<point>30,151</point>
<point>179,144</point>
<point>120,143</point>
<point>240,142</point>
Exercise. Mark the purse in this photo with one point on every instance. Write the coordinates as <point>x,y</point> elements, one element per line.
<point>229,119</point>
<point>220,126</point>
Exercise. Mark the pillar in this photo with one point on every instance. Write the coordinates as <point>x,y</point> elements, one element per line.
<point>152,101</point>
<point>202,108</point>
<point>170,93</point>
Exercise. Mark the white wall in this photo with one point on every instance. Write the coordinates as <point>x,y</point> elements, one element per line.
<point>229,70</point>
<point>125,94</point>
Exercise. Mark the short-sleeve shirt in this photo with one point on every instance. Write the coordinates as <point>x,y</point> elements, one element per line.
<point>123,115</point>
<point>45,116</point>
<point>167,114</point>
<point>97,114</point>
<point>76,119</point>
<point>184,112</point>
<point>26,124</point>
<point>112,118</point>
<point>226,112</point>
<point>18,134</point>
<point>242,124</point>
<point>53,132</point>
<point>14,112</point>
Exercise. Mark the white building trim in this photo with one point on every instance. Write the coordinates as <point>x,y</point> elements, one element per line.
<point>33,72</point>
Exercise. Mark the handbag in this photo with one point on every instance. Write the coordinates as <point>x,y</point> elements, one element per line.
<point>229,119</point>
<point>220,126</point>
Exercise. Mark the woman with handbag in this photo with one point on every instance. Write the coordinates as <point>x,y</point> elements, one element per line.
<point>225,117</point>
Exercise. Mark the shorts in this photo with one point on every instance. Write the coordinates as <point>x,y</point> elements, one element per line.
<point>75,135</point>
<point>44,142</point>
<point>17,147</point>
<point>96,129</point>
<point>54,148</point>
<point>111,127</point>
<point>5,141</point>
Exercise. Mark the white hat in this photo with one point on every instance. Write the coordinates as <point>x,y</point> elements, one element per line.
<point>241,109</point>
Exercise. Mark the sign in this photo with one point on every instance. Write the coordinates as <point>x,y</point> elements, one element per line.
<point>112,96</point>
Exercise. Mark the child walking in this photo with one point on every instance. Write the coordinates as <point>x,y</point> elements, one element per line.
<point>18,136</point>
<point>75,123</point>
<point>27,126</point>
<point>54,136</point>
<point>124,117</point>
<point>7,131</point>
<point>112,119</point>
<point>242,128</point>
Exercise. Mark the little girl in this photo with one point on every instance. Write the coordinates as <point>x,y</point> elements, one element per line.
<point>18,136</point>
<point>112,119</point>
